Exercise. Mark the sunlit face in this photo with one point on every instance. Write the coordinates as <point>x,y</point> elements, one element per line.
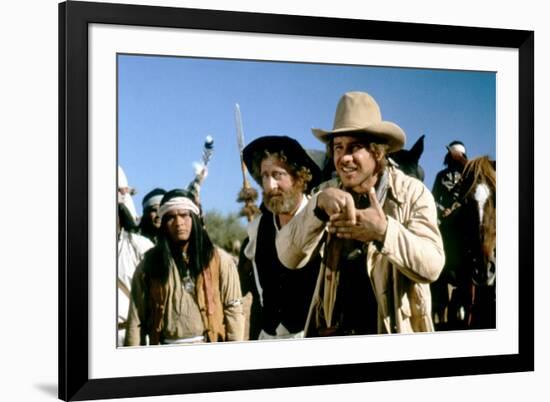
<point>153,215</point>
<point>179,225</point>
<point>355,164</point>
<point>281,193</point>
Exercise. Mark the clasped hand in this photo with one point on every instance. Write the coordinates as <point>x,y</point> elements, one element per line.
<point>347,222</point>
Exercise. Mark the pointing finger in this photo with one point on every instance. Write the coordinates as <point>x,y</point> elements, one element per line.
<point>349,208</point>
<point>374,201</point>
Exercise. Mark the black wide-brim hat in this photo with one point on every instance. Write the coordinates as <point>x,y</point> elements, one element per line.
<point>291,148</point>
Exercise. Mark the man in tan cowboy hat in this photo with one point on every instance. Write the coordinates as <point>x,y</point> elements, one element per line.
<point>286,172</point>
<point>382,246</point>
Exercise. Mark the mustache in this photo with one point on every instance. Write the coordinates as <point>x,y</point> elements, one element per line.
<point>279,202</point>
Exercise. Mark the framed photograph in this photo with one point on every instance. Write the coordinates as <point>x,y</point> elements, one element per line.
<point>154,90</point>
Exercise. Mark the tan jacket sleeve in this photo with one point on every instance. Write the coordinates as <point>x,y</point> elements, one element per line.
<point>230,292</point>
<point>414,246</point>
<point>298,239</point>
<point>136,310</point>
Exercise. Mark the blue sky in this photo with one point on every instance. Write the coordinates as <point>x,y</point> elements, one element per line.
<point>168,105</point>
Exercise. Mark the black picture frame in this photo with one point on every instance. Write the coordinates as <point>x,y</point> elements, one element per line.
<point>74,381</point>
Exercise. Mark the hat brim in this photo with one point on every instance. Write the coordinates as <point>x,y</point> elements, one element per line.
<point>388,132</point>
<point>292,149</point>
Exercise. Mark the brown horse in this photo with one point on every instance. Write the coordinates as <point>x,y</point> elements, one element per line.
<point>478,217</point>
<point>469,236</point>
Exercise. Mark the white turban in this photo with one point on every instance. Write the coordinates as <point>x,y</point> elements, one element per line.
<point>122,179</point>
<point>126,198</point>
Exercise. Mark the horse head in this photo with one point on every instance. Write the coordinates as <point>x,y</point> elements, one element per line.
<point>407,160</point>
<point>479,198</point>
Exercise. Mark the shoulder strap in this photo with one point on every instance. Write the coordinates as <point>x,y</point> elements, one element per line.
<point>213,268</point>
<point>209,300</point>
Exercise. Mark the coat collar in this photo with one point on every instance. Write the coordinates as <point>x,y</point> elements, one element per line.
<point>396,188</point>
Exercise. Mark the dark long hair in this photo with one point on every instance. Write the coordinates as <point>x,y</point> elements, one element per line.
<point>200,250</point>
<point>147,228</point>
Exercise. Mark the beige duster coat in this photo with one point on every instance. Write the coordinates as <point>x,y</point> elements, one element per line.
<point>410,258</point>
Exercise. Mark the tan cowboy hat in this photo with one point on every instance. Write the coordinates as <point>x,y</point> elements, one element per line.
<point>359,113</point>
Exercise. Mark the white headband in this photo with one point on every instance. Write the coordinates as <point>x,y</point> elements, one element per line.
<point>156,199</point>
<point>458,148</point>
<point>178,203</point>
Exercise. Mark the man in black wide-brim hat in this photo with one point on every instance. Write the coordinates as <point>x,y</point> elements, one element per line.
<point>286,173</point>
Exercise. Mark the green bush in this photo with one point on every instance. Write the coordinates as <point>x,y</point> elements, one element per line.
<point>225,231</point>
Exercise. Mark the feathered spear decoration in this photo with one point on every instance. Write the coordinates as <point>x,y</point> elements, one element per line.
<point>200,168</point>
<point>248,195</point>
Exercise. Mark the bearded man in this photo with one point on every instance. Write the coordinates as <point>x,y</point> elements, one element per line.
<point>186,290</point>
<point>285,171</point>
<point>378,229</point>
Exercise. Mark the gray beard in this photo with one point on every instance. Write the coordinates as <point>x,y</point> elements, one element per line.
<point>284,202</point>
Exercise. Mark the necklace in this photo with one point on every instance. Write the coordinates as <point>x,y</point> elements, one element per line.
<point>187,281</point>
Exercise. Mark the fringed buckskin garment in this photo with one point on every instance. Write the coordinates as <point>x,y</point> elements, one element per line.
<point>165,309</point>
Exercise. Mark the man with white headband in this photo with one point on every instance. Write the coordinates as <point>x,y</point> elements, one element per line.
<point>131,248</point>
<point>186,290</point>
<point>445,189</point>
<point>446,192</point>
<point>150,220</point>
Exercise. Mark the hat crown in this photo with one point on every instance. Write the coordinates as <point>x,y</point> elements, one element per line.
<point>356,110</point>
<point>358,113</point>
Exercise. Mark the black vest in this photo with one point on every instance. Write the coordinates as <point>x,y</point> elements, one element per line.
<point>286,293</point>
<point>356,308</point>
